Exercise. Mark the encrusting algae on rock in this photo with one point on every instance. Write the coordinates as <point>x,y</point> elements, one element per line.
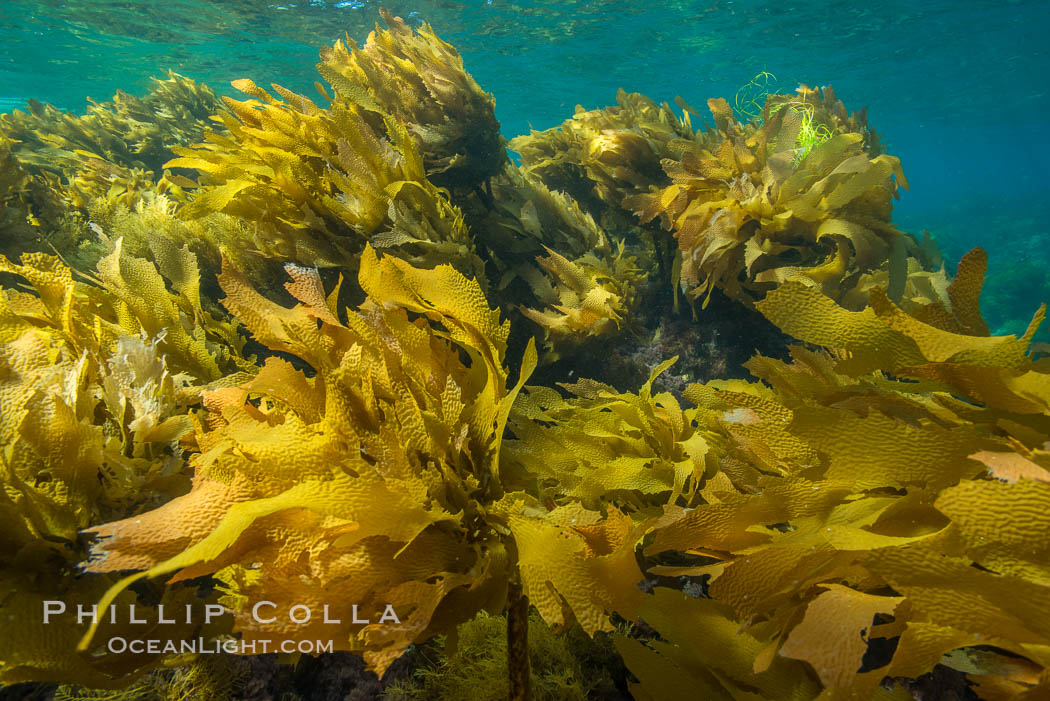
<point>180,427</point>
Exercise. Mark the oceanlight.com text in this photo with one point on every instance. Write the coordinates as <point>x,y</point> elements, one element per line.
<point>200,646</point>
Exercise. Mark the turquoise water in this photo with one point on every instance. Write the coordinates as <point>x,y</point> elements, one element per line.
<point>957,88</point>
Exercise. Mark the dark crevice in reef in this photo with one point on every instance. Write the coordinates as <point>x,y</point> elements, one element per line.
<point>714,346</point>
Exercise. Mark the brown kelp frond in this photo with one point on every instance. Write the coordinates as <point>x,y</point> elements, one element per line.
<point>870,507</point>
<point>592,296</point>
<point>788,198</point>
<point>316,184</point>
<point>602,156</point>
<point>96,381</point>
<point>601,446</point>
<point>383,467</point>
<point>526,216</point>
<point>153,226</point>
<point>126,324</point>
<point>114,153</point>
<point>855,505</point>
<point>886,338</point>
<point>100,180</point>
<point>419,79</point>
<point>36,213</point>
<point>724,662</point>
<point>820,115</point>
<point>545,246</point>
<point>129,350</point>
<point>19,206</point>
<point>128,131</point>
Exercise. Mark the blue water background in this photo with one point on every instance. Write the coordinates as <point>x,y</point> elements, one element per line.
<point>958,89</point>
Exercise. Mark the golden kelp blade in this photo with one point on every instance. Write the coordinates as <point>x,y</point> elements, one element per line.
<point>316,184</point>
<point>394,511</point>
<point>419,80</point>
<point>584,286</point>
<point>95,386</point>
<point>586,298</point>
<point>618,149</point>
<point>603,446</point>
<point>704,654</point>
<point>129,131</point>
<point>576,565</point>
<point>111,156</point>
<point>855,504</point>
<point>753,206</point>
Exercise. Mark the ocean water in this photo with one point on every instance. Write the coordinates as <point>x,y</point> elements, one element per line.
<point>958,89</point>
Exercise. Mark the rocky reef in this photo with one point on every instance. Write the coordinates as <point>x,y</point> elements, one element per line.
<point>687,393</point>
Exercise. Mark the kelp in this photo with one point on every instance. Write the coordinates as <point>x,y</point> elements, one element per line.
<point>18,223</point>
<point>587,298</point>
<point>418,79</point>
<point>718,664</point>
<point>861,498</point>
<point>383,467</point>
<point>527,217</point>
<point>36,213</point>
<point>820,116</point>
<point>602,156</point>
<point>95,381</point>
<point>404,122</point>
<point>57,166</point>
<point>582,286</point>
<point>128,131</point>
<point>781,199</point>
<point>865,511</point>
<point>127,348</point>
<point>152,222</point>
<point>606,447</point>
<point>317,184</point>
